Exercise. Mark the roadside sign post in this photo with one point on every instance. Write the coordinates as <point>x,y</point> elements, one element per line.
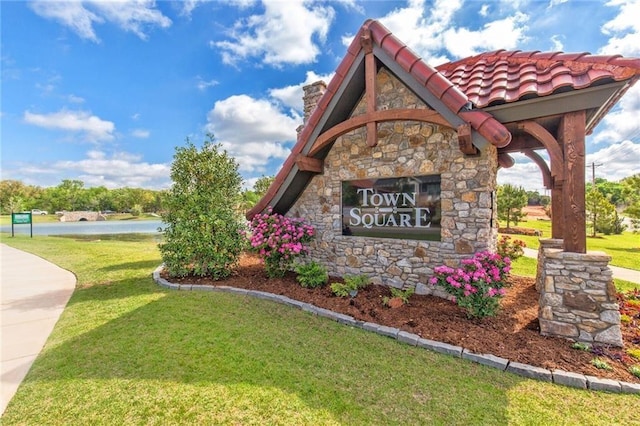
<point>21,219</point>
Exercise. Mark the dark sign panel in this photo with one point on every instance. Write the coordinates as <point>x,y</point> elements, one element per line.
<point>402,208</point>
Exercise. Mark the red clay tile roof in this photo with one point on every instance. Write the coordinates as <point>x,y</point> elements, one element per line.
<point>501,76</point>
<point>476,82</point>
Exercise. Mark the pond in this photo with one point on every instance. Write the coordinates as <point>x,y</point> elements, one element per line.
<point>88,228</point>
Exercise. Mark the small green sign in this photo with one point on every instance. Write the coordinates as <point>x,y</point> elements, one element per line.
<point>20,218</point>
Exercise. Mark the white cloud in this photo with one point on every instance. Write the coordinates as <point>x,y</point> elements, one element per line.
<point>116,171</point>
<point>92,128</point>
<point>254,131</point>
<point>284,34</point>
<point>75,99</point>
<point>136,16</point>
<point>624,29</point>
<point>501,34</point>
<point>203,85</point>
<point>430,29</point>
<point>524,173</point>
<point>291,96</point>
<point>618,161</point>
<point>97,168</point>
<point>141,133</point>
<point>621,123</point>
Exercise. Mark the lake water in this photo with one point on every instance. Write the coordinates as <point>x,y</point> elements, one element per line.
<point>88,228</point>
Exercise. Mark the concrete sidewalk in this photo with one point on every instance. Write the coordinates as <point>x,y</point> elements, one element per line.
<point>620,273</point>
<point>34,294</point>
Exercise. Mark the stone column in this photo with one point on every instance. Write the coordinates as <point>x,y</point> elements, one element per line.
<point>547,243</point>
<point>578,298</point>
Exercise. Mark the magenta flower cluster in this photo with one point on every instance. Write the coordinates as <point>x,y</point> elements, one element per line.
<point>279,240</point>
<point>478,284</point>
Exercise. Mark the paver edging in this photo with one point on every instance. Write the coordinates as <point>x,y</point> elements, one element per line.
<point>560,377</point>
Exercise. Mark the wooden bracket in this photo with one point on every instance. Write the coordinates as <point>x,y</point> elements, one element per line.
<point>309,164</point>
<point>464,140</point>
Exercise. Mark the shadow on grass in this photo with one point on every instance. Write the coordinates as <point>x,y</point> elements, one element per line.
<point>205,342</point>
<point>143,265</point>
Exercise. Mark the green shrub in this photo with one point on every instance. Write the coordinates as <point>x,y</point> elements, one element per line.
<point>203,234</point>
<point>403,295</point>
<point>601,364</point>
<point>581,346</point>
<point>312,275</point>
<point>635,370</point>
<point>351,285</point>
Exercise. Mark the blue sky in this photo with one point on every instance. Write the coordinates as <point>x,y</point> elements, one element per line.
<point>103,91</point>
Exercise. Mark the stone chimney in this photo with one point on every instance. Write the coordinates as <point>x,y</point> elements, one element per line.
<point>312,94</point>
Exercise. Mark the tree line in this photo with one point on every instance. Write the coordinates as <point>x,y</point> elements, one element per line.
<point>605,204</point>
<point>72,195</point>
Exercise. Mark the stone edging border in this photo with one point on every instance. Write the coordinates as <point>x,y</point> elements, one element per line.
<point>560,377</point>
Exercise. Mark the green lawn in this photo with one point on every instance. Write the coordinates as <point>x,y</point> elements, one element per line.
<point>128,352</point>
<point>624,248</point>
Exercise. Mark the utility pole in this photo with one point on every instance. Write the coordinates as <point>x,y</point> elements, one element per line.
<point>593,173</point>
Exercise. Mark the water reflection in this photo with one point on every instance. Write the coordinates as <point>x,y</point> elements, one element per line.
<point>88,228</point>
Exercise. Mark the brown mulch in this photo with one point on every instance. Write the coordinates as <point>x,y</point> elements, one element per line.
<point>512,334</point>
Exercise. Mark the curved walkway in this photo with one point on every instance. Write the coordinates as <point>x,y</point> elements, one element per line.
<point>34,294</point>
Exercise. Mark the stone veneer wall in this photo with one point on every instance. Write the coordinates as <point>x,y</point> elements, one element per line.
<point>404,149</point>
<point>577,297</point>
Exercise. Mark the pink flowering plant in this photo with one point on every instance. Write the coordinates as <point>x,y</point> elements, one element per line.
<point>478,284</point>
<point>279,240</point>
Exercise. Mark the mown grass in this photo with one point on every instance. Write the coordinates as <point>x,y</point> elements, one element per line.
<point>128,352</point>
<point>624,248</point>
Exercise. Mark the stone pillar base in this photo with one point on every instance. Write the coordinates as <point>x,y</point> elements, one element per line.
<point>578,298</point>
<point>547,243</point>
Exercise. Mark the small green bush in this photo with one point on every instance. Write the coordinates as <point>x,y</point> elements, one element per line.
<point>635,370</point>
<point>403,295</point>
<point>352,283</point>
<point>312,275</point>
<point>580,346</point>
<point>601,364</point>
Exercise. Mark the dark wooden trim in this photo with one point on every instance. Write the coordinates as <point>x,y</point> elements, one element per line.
<point>520,142</point>
<point>465,141</point>
<point>309,164</point>
<point>370,74</point>
<point>505,160</point>
<point>557,212</point>
<point>572,134</point>
<point>549,142</point>
<point>424,115</point>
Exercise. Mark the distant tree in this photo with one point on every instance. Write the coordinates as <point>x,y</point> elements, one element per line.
<point>511,200</point>
<point>631,194</point>
<point>12,195</point>
<point>203,233</point>
<point>262,185</point>
<point>600,212</point>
